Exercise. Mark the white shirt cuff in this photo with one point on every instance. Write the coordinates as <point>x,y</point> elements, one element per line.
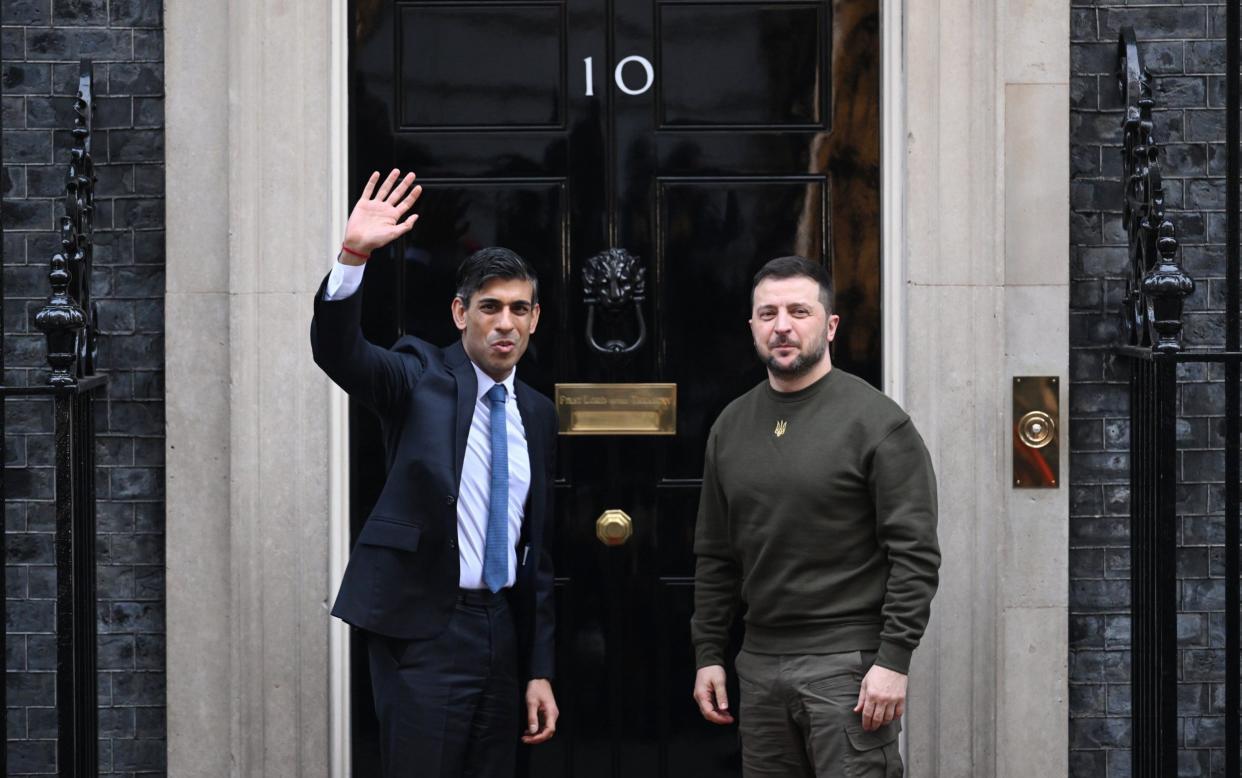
<point>343,281</point>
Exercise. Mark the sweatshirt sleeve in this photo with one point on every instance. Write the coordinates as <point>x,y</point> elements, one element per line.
<point>903,487</point>
<point>717,575</point>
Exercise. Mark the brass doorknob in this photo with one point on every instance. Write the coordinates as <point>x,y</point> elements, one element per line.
<point>614,528</point>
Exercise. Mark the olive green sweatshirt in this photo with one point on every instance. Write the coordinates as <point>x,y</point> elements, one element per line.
<point>818,512</point>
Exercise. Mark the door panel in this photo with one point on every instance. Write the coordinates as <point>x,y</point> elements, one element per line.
<point>477,65</point>
<point>526,215</point>
<point>742,65</point>
<point>756,137</point>
<point>714,234</point>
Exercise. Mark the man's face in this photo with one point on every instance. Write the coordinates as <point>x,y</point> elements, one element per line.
<point>790,326</point>
<point>497,326</point>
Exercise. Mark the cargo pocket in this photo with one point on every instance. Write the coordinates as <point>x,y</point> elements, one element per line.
<point>873,754</point>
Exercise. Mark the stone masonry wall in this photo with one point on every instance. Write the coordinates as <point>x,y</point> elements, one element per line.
<point>40,44</point>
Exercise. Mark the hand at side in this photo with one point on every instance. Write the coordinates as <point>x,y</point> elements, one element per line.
<point>882,697</point>
<point>710,694</point>
<point>541,712</point>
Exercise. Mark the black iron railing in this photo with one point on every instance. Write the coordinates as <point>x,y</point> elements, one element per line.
<point>69,321</point>
<point>1151,327</point>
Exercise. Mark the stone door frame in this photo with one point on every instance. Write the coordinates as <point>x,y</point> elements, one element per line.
<point>975,123</point>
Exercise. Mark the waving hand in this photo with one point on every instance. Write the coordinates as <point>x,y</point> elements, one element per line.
<point>376,219</point>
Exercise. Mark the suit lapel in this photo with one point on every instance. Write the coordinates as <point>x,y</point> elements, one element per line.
<point>534,449</point>
<point>467,396</point>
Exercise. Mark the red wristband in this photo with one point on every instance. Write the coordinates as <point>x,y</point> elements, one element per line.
<point>353,253</point>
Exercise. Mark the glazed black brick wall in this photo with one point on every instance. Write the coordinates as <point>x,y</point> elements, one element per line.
<point>1182,44</point>
<point>40,43</point>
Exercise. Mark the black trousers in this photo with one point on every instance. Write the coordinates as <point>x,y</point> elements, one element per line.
<point>450,706</point>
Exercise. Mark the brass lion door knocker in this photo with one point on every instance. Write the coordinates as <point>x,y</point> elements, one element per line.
<point>615,280</point>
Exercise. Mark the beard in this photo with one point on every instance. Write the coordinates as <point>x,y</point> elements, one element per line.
<point>801,364</point>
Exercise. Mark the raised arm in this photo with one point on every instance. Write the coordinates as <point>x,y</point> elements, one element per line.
<point>375,376</point>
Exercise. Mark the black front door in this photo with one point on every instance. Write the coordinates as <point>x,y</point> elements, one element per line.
<point>703,138</point>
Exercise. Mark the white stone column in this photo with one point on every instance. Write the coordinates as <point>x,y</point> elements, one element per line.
<point>1033,637</point>
<point>987,299</point>
<point>247,536</point>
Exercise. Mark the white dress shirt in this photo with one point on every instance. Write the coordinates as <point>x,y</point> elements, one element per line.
<point>474,492</point>
<point>343,281</point>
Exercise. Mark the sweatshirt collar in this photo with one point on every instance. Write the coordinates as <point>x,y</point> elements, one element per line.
<point>804,392</point>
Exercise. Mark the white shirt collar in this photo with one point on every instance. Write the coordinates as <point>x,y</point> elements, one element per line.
<point>486,383</point>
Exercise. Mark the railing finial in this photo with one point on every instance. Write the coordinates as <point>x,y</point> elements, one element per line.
<point>1158,285</point>
<point>70,353</point>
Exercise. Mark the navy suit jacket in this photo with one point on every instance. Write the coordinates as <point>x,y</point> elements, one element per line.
<point>403,572</point>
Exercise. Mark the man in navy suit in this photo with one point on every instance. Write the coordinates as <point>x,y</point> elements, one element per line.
<point>450,577</point>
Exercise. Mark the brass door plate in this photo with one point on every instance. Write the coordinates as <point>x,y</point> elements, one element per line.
<point>1036,432</point>
<point>617,409</point>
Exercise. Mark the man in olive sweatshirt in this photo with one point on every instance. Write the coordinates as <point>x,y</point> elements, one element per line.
<point>818,512</point>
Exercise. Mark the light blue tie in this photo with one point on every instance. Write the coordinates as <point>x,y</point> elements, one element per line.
<point>496,547</point>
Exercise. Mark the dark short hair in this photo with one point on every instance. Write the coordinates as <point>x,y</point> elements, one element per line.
<point>493,262</point>
<point>795,267</point>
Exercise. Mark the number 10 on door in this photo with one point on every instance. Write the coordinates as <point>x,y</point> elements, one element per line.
<point>618,75</point>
